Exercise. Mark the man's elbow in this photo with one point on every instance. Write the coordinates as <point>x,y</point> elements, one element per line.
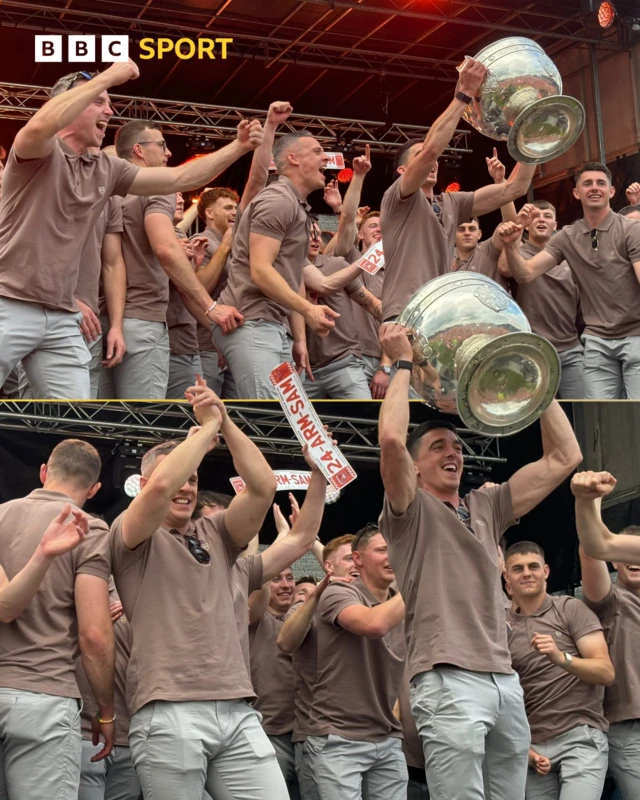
<point>374,629</point>
<point>96,638</point>
<point>284,646</point>
<point>391,443</point>
<point>609,677</point>
<point>8,615</point>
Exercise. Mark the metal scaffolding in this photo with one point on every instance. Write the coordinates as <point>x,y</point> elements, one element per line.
<point>264,423</point>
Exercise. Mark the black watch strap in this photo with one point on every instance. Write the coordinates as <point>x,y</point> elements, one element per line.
<point>464,98</point>
<point>401,364</point>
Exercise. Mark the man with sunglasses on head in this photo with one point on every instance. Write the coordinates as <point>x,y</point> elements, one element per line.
<point>187,682</point>
<point>52,185</point>
<point>465,697</point>
<point>603,252</point>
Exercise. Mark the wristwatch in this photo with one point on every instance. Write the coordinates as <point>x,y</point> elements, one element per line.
<point>568,659</point>
<point>464,98</point>
<point>401,364</point>
<point>384,368</point>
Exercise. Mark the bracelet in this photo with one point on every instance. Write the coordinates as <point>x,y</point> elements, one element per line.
<point>211,307</point>
<point>105,721</point>
<point>464,98</point>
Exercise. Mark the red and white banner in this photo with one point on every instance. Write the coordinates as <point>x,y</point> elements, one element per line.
<point>308,428</point>
<point>336,161</point>
<point>373,259</point>
<point>290,480</point>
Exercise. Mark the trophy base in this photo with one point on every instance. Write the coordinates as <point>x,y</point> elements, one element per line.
<point>546,129</point>
<point>506,383</point>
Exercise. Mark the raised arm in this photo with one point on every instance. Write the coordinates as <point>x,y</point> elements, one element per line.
<point>64,533</point>
<point>497,172</point>
<point>317,281</point>
<point>472,73</point>
<point>209,275</point>
<point>522,270</point>
<point>396,465</point>
<point>560,456</point>
<point>373,623</point>
<point>494,196</point>
<point>347,226</point>
<point>278,113</point>
<point>188,219</point>
<point>596,581</point>
<point>363,297</point>
<point>114,282</point>
<point>297,626</point>
<point>592,666</point>
<point>193,174</point>
<point>36,139</point>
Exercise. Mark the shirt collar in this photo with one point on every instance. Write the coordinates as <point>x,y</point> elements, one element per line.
<point>71,153</point>
<point>284,181</point>
<point>546,605</point>
<point>48,494</point>
<point>603,225</point>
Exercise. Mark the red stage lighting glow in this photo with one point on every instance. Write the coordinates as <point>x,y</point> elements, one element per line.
<point>345,175</point>
<point>453,187</point>
<point>606,15</point>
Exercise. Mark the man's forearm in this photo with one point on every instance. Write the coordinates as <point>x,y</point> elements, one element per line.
<point>114,281</point>
<point>595,538</point>
<point>16,595</point>
<point>98,659</point>
<point>201,171</point>
<point>520,179</point>
<point>259,172</point>
<point>559,443</point>
<point>442,130</point>
<point>309,519</point>
<point>188,219</point>
<point>518,267</point>
<point>209,276</point>
<point>394,411</point>
<point>175,263</point>
<point>274,286</point>
<point>298,328</point>
<point>347,225</point>
<point>595,671</point>
<point>328,284</point>
<point>249,462</point>
<point>296,627</point>
<point>363,297</point>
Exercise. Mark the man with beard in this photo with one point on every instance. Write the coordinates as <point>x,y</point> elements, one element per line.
<point>299,637</point>
<point>617,606</point>
<point>559,651</point>
<point>53,185</point>
<point>603,252</point>
<point>461,676</point>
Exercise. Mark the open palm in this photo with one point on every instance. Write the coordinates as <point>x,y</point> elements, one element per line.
<point>63,534</point>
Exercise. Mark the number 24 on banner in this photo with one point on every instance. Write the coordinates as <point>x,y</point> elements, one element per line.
<point>373,260</point>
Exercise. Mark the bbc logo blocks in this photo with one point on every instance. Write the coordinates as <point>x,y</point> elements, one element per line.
<point>81,48</point>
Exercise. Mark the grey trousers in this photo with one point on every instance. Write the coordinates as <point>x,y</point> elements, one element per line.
<point>95,365</point>
<point>182,374</point>
<point>51,347</point>
<point>252,352</point>
<point>612,368</point>
<point>572,374</point>
<point>579,760</point>
<point>467,720</point>
<point>624,757</point>
<point>370,364</point>
<point>285,754</point>
<point>173,745</point>
<point>220,380</point>
<point>40,746</point>
<point>306,781</point>
<point>343,379</point>
<point>339,766</point>
<point>113,778</point>
<point>143,373</point>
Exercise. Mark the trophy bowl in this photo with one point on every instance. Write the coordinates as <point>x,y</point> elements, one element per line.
<point>474,354</point>
<point>521,102</point>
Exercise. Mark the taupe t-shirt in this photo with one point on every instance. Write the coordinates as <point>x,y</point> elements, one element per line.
<point>461,628</point>
<point>203,329</point>
<point>109,221</point>
<point>484,261</point>
<point>278,211</point>
<point>183,338</point>
<point>555,700</point>
<point>38,649</point>
<point>185,637</point>
<point>123,640</point>
<point>147,283</point>
<point>418,242</point>
<point>272,676</point>
<point>358,679</point>
<point>48,208</point>
<point>609,287</point>
<point>551,303</point>
<point>619,614</point>
<point>342,339</point>
<point>246,577</point>
<point>305,670</point>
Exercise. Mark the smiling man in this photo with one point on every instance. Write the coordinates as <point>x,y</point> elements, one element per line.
<point>459,663</point>
<point>603,252</point>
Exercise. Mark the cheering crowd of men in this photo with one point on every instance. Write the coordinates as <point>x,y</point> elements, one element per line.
<point>104,294</point>
<point>168,657</point>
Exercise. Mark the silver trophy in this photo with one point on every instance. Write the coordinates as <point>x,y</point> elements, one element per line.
<point>521,102</point>
<point>474,354</point>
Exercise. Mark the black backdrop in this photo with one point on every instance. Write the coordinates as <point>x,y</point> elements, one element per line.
<point>551,524</point>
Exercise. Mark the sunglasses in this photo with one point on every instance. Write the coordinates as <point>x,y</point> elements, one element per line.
<point>197,550</point>
<point>370,527</point>
<point>64,84</point>
<point>436,208</point>
<point>460,511</point>
<point>594,239</point>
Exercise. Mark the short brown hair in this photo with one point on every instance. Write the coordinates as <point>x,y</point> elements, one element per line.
<point>130,133</point>
<point>334,545</point>
<point>523,549</point>
<point>307,579</point>
<point>150,458</point>
<point>211,196</point>
<point>75,461</point>
<point>367,217</point>
<point>209,499</point>
<point>593,166</point>
<point>362,537</point>
<point>544,205</point>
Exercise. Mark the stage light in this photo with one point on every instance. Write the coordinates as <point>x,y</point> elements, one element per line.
<point>454,186</point>
<point>606,15</point>
<point>345,175</point>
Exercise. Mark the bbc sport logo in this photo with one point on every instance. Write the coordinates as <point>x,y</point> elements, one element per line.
<point>116,48</point>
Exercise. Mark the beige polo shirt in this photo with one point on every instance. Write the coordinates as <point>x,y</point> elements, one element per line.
<point>305,670</point>
<point>246,577</point>
<point>555,700</point>
<point>609,287</point>
<point>147,283</point>
<point>183,338</point>
<point>483,261</point>
<point>185,637</point>
<point>38,650</point>
<point>427,544</point>
<point>419,242</point>
<point>366,326</point>
<point>619,614</point>
<point>358,679</point>
<point>551,303</point>
<point>278,211</point>
<point>272,676</point>
<point>87,288</point>
<point>49,207</point>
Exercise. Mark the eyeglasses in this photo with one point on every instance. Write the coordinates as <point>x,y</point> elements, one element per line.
<point>594,239</point>
<point>197,550</point>
<point>370,527</point>
<point>161,143</point>
<point>69,81</point>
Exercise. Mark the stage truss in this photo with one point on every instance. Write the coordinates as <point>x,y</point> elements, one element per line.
<point>218,123</point>
<point>149,423</point>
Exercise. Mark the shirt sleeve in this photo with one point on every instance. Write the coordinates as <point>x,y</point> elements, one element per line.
<point>580,619</point>
<point>334,600</point>
<point>93,554</point>
<point>502,506</point>
<point>556,245</point>
<point>122,558</point>
<point>464,205</point>
<point>633,240</point>
<point>273,214</point>
<point>124,174</point>
<point>160,204</point>
<point>393,526</point>
<point>489,250</point>
<point>605,609</point>
<point>114,216</point>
